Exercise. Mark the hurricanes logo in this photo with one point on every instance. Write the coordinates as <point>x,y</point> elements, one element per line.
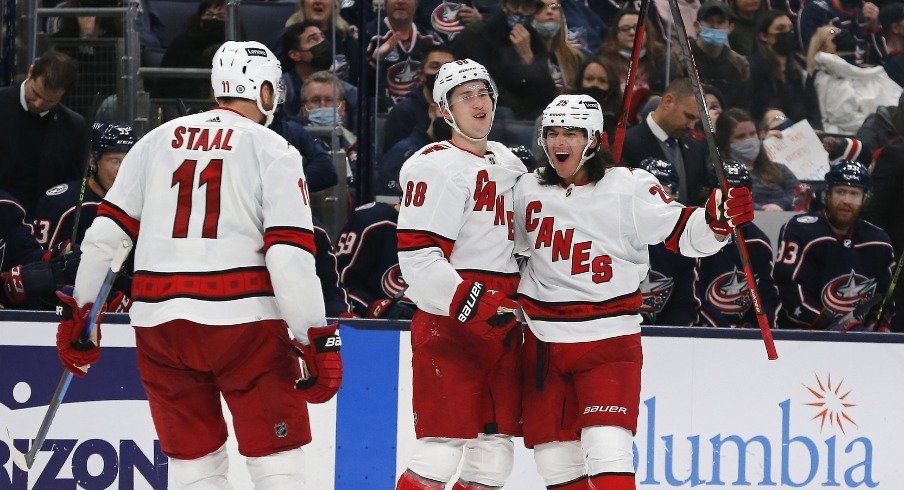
<point>393,283</point>
<point>728,293</point>
<point>844,293</point>
<point>656,290</point>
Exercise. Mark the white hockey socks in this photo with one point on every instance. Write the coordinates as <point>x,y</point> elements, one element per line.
<point>204,473</point>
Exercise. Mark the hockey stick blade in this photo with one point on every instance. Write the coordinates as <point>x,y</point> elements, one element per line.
<point>18,458</point>
<point>119,256</point>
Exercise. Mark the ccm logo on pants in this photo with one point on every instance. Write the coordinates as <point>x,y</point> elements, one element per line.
<point>605,408</point>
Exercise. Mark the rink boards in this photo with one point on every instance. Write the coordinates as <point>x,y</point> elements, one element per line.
<point>714,412</point>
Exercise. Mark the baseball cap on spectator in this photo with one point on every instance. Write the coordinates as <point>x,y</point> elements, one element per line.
<point>891,13</point>
<point>714,8</point>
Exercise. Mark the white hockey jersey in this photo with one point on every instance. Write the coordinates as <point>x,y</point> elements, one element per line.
<point>221,213</point>
<point>588,251</point>
<point>457,218</point>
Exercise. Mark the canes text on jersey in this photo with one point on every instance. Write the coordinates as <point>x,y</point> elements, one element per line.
<point>200,139</point>
<point>560,241</point>
<point>485,199</point>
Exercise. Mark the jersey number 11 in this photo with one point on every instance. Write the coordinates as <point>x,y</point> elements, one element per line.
<point>184,177</point>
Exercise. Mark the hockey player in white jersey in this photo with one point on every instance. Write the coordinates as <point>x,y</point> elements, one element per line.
<point>224,261</point>
<point>455,241</point>
<point>587,226</point>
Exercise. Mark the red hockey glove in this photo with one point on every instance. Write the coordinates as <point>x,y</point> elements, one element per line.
<point>119,303</point>
<point>724,214</point>
<point>323,361</point>
<point>14,286</point>
<point>485,311</point>
<point>75,354</point>
<point>390,309</point>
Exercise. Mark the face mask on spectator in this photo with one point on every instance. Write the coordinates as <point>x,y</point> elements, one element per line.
<point>785,43</point>
<point>513,18</point>
<point>713,38</point>
<point>322,56</point>
<point>430,81</point>
<point>597,93</point>
<point>324,116</point>
<point>213,25</point>
<point>626,53</point>
<point>746,150</point>
<point>546,30</point>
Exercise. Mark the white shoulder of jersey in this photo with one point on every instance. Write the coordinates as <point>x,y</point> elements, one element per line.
<point>505,156</point>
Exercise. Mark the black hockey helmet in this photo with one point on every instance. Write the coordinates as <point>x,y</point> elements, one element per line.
<point>663,170</point>
<point>848,172</point>
<point>736,173</point>
<point>112,136</point>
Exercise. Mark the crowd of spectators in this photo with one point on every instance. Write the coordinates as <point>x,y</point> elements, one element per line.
<point>837,64</point>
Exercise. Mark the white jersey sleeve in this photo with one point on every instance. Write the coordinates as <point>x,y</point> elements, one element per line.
<point>289,244</point>
<point>433,208</point>
<point>659,218</point>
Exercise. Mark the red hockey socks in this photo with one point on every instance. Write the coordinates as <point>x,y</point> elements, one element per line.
<point>577,484</point>
<point>411,481</point>
<point>612,481</point>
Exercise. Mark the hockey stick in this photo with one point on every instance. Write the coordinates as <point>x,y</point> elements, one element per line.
<point>81,193</point>
<point>716,160</point>
<point>25,461</point>
<point>891,288</point>
<point>639,32</point>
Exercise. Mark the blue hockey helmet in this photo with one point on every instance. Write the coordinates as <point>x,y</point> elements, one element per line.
<point>663,170</point>
<point>112,136</point>
<point>848,172</point>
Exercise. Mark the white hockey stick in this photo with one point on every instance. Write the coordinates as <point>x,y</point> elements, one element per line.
<point>25,461</point>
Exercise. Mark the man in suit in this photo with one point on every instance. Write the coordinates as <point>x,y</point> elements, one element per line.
<point>42,142</point>
<point>665,134</point>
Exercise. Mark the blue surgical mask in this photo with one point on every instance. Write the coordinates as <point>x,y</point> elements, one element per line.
<point>324,116</point>
<point>746,150</point>
<point>546,30</point>
<point>512,18</point>
<point>713,38</point>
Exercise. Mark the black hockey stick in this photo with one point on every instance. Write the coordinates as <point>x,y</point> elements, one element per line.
<point>716,161</point>
<point>73,237</point>
<point>891,288</point>
<point>639,33</point>
<point>25,461</point>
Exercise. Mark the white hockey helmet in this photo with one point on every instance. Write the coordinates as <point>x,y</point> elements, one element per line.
<point>573,111</point>
<point>455,73</point>
<point>240,70</point>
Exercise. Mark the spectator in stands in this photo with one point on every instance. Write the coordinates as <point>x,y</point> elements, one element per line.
<point>777,78</point>
<point>320,12</point>
<point>858,17</point>
<point>387,174</point>
<point>447,19</point>
<point>883,208</point>
<point>847,93</point>
<point>42,142</point>
<point>665,134</point>
<point>745,14</point>
<point>564,60</point>
<point>891,16</point>
<point>885,126</point>
<point>411,112</point>
<point>832,262</point>
<point>584,28</point>
<point>617,46</point>
<point>395,51</point>
<point>773,183</point>
<point>715,105</point>
<point>516,57</point>
<point>597,78</point>
<point>306,51</point>
<point>323,105</point>
<point>319,171</point>
<point>194,48</point>
<point>88,27</point>
<point>688,10</point>
<point>717,64</point>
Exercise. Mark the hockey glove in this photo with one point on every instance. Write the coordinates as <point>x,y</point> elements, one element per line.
<point>485,311</point>
<point>323,361</point>
<point>854,319</point>
<point>724,214</point>
<point>76,354</point>
<point>390,309</point>
<point>13,286</point>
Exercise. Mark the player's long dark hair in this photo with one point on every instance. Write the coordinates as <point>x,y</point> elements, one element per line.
<point>595,165</point>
